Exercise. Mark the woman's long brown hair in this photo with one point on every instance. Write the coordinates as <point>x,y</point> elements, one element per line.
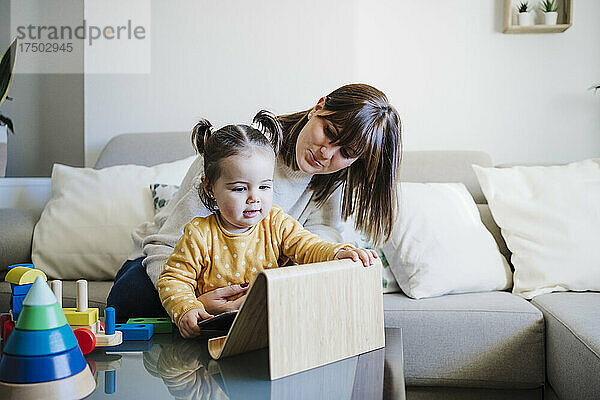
<point>371,126</point>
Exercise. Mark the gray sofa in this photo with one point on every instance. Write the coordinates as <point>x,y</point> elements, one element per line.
<point>468,341</point>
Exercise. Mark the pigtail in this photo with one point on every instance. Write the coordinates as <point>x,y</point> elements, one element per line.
<point>200,134</point>
<point>270,126</point>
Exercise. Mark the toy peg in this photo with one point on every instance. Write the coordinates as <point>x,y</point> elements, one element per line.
<point>82,295</point>
<point>56,286</point>
<point>109,320</point>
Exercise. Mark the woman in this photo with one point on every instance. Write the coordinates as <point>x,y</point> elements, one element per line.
<point>337,159</point>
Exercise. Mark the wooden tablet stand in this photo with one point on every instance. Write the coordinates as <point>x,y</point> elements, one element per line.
<point>308,316</point>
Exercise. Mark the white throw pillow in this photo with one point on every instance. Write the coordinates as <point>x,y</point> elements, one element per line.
<point>440,246</point>
<point>550,220</point>
<point>85,229</point>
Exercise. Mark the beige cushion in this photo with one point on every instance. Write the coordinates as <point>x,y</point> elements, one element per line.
<point>85,229</point>
<point>440,246</point>
<point>550,219</point>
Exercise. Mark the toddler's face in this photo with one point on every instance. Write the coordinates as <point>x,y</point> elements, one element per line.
<point>244,191</point>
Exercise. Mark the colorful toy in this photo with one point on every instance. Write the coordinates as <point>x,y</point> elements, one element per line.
<point>85,323</point>
<point>136,331</point>
<point>20,277</point>
<point>7,324</point>
<point>41,358</point>
<point>161,325</point>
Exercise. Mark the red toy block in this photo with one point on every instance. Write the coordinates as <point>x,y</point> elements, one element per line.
<point>86,340</point>
<point>7,327</point>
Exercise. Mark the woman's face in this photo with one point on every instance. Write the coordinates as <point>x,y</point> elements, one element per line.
<point>315,154</point>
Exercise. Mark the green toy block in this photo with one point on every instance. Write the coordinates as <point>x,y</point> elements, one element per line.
<point>161,325</point>
<point>33,318</point>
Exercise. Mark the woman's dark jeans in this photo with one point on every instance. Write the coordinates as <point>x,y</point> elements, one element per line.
<point>133,294</point>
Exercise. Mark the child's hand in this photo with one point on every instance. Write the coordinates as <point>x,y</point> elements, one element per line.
<point>188,324</point>
<point>366,255</point>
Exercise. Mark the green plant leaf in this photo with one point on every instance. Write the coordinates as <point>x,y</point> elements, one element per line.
<point>549,6</point>
<point>7,67</point>
<point>523,7</point>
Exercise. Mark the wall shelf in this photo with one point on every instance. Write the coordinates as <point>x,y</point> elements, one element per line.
<point>565,18</point>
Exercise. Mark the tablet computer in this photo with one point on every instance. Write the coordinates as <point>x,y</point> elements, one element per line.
<point>220,323</point>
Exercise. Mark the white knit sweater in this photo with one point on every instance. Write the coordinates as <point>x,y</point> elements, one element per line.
<point>155,239</point>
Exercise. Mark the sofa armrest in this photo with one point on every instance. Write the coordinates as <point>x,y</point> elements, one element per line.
<point>16,236</point>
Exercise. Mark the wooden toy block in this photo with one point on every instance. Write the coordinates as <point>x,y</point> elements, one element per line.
<point>77,386</point>
<point>41,358</point>
<point>88,317</point>
<point>56,287</point>
<point>103,340</point>
<point>40,317</point>
<point>86,340</point>
<point>41,368</point>
<point>23,275</point>
<point>109,320</point>
<point>17,304</point>
<point>94,328</point>
<point>27,265</point>
<point>82,295</point>
<point>7,328</point>
<point>40,343</point>
<point>335,312</point>
<point>3,318</point>
<point>20,289</point>
<point>135,331</point>
<point>161,325</point>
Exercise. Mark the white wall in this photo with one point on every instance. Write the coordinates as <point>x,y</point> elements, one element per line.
<point>224,61</point>
<point>457,81</point>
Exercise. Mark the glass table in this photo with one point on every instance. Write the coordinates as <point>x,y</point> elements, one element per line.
<point>168,366</point>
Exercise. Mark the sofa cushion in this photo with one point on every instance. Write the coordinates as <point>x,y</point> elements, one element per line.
<point>440,246</point>
<point>85,230</point>
<point>15,236</point>
<point>146,149</point>
<point>445,166</point>
<point>490,339</point>
<point>550,220</point>
<point>572,343</point>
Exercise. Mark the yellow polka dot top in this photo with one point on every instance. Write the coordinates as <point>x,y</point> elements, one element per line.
<point>207,257</point>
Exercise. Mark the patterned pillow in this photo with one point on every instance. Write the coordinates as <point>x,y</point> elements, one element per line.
<point>162,194</point>
<point>389,283</point>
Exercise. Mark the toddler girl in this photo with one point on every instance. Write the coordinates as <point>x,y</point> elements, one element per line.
<point>246,233</point>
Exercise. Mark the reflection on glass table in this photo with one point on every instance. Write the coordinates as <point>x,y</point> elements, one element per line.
<point>172,367</point>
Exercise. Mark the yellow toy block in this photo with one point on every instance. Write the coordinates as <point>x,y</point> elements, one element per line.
<point>88,317</point>
<point>23,275</point>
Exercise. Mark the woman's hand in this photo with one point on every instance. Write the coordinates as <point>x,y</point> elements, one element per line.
<point>217,301</point>
<point>365,255</point>
<point>188,324</point>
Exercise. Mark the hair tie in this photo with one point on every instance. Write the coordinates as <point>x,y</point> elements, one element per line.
<point>211,132</point>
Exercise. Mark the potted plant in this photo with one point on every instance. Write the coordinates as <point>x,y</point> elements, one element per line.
<point>550,10</point>
<point>7,66</point>
<point>525,16</point>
